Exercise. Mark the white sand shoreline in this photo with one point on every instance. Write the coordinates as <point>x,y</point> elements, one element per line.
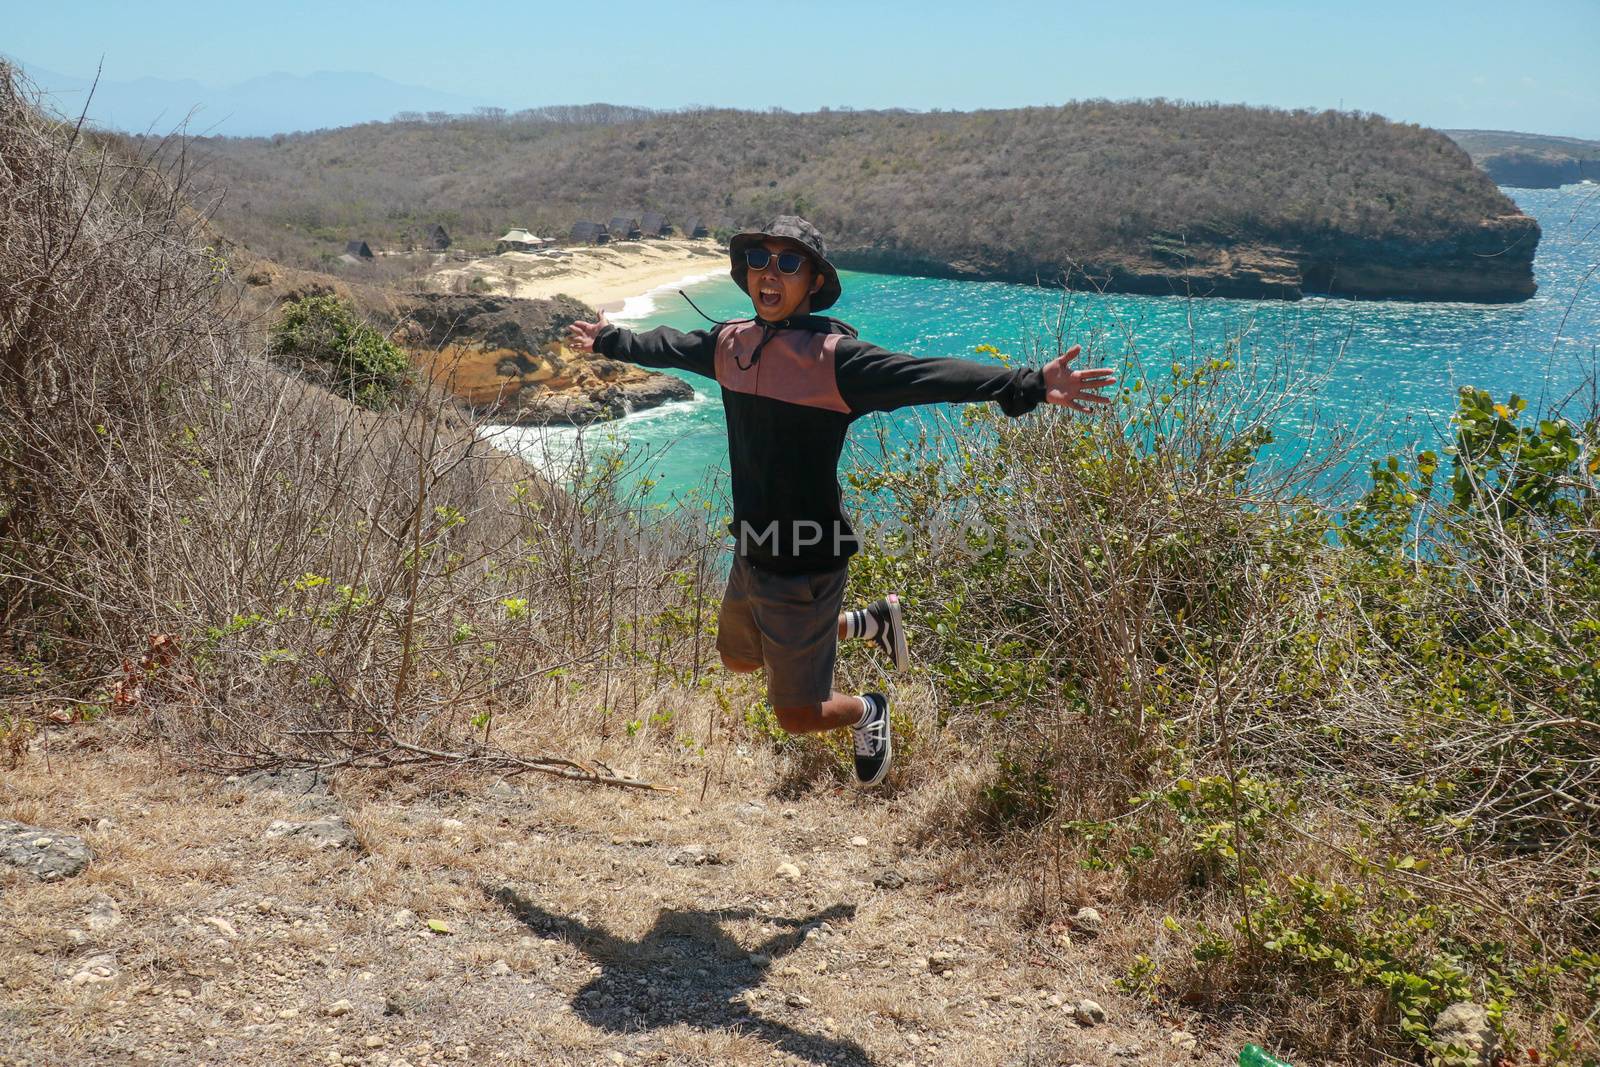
<point>623,278</point>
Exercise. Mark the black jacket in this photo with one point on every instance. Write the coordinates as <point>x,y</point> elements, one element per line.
<point>790,393</point>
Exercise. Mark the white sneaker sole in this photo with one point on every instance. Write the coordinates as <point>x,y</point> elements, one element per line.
<point>883,768</point>
<point>902,655</point>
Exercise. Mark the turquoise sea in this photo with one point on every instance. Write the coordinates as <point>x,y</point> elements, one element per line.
<point>1388,368</point>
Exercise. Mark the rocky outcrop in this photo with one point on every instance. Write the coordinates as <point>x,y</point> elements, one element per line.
<point>1539,170</point>
<point>48,855</point>
<point>1491,263</point>
<point>504,358</point>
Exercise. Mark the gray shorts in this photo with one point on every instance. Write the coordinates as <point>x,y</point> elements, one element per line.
<point>787,622</point>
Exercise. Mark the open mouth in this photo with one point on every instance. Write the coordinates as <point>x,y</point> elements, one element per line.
<point>769,296</point>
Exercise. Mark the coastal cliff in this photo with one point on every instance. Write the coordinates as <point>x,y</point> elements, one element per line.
<point>503,357</point>
<point>1531,160</point>
<point>1491,263</point>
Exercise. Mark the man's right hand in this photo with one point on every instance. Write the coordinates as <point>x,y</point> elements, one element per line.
<point>581,335</point>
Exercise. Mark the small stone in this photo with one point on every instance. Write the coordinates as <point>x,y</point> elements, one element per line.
<point>1088,1013</point>
<point>338,1008</point>
<point>403,918</point>
<point>373,1041</point>
<point>616,1057</point>
<point>332,832</point>
<point>500,968</point>
<point>693,856</point>
<point>1465,1027</point>
<point>940,962</point>
<point>1184,1039</point>
<point>452,824</point>
<point>502,790</point>
<point>104,825</point>
<point>1089,920</point>
<point>289,1013</point>
<point>796,1000</point>
<point>182,994</point>
<point>859,842</point>
<point>888,878</point>
<point>788,872</point>
<point>104,913</point>
<point>95,969</point>
<point>790,813</point>
<point>224,927</point>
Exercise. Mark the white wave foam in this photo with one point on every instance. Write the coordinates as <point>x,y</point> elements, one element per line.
<point>643,306</point>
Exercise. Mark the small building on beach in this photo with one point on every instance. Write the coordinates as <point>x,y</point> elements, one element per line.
<point>654,224</point>
<point>518,240</point>
<point>590,233</point>
<point>694,226</point>
<point>435,238</point>
<point>625,228</point>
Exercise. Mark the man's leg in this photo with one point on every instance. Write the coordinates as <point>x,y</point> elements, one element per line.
<point>797,617</point>
<point>840,709</point>
<point>883,624</point>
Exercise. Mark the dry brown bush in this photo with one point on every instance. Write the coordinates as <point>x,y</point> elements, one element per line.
<point>265,572</point>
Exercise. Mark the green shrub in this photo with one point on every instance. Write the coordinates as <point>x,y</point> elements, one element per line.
<point>323,338</point>
<point>1354,756</point>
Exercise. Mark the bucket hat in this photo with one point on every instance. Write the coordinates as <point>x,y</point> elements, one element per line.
<point>790,228</point>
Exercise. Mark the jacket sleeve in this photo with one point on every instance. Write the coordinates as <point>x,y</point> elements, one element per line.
<point>872,379</point>
<point>661,347</point>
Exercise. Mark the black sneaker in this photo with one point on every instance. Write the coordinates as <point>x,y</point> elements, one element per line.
<point>874,747</point>
<point>891,635</point>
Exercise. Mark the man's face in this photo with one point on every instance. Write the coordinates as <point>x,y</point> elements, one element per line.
<point>778,296</point>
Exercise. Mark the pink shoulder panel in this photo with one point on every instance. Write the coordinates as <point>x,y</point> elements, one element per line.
<point>796,366</point>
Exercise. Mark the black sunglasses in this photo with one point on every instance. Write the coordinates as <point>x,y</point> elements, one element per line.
<point>788,262</point>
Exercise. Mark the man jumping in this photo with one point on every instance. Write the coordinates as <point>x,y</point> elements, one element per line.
<point>792,382</point>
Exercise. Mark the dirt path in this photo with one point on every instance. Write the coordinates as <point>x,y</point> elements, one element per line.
<point>583,927</point>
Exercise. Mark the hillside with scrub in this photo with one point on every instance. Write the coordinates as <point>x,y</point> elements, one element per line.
<point>1531,160</point>
<point>332,734</point>
<point>1151,197</point>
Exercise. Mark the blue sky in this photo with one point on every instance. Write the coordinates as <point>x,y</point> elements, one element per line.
<point>1529,66</point>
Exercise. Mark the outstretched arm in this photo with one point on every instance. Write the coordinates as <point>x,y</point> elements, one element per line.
<point>871,379</point>
<point>662,347</point>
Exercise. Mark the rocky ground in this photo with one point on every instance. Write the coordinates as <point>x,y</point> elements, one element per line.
<point>286,919</point>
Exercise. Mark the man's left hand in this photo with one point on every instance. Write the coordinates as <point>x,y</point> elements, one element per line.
<point>1077,389</point>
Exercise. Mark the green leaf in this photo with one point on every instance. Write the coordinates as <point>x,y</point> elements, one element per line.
<point>439,926</point>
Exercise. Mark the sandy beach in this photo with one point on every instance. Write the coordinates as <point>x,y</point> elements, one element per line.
<point>604,277</point>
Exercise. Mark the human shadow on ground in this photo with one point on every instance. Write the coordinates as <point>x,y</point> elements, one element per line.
<point>686,969</point>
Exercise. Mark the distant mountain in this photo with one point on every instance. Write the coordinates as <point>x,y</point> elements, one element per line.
<point>1530,160</point>
<point>271,103</point>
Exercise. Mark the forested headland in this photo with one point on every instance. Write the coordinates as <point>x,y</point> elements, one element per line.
<point>1152,197</point>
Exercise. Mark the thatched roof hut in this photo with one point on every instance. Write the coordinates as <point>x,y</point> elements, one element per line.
<point>518,240</point>
<point>594,233</point>
<point>695,226</point>
<point>436,238</point>
<point>624,228</point>
<point>357,249</point>
<point>654,224</point>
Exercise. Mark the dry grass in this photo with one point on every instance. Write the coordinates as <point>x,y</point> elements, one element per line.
<point>303,930</point>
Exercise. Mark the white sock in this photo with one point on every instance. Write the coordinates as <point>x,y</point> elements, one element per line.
<point>860,623</point>
<point>866,711</point>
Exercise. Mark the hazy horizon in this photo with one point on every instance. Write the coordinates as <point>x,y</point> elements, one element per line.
<point>1448,66</point>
